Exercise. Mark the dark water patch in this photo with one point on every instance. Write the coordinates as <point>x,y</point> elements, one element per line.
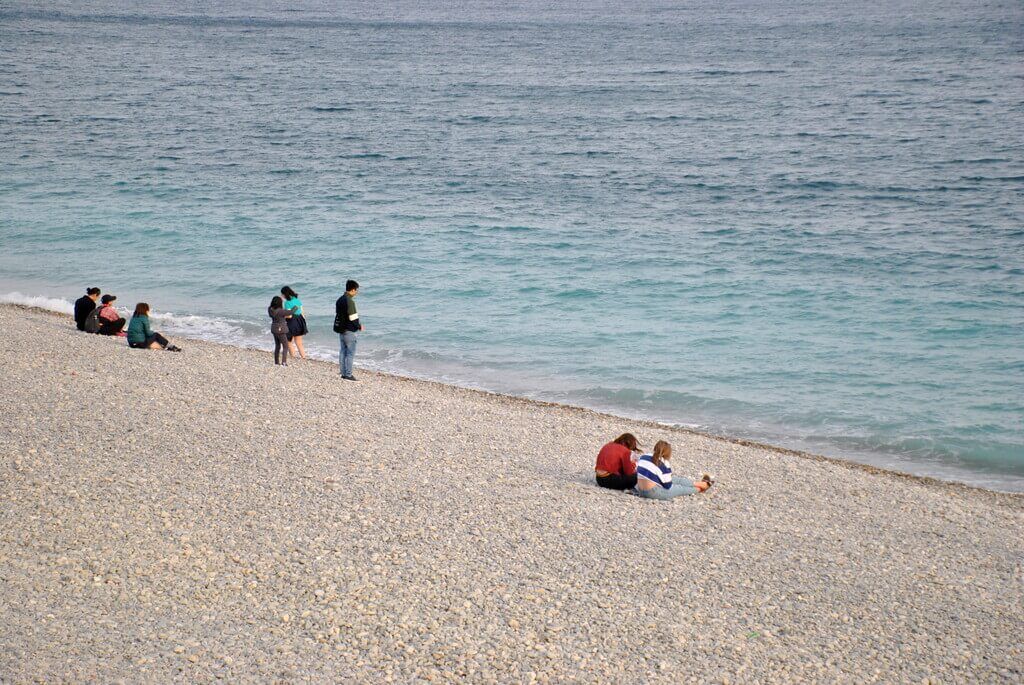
<point>720,73</point>
<point>983,179</point>
<point>981,160</point>
<point>337,108</point>
<point>819,185</point>
<point>576,293</point>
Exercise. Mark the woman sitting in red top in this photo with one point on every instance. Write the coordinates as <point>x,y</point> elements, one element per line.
<point>616,468</point>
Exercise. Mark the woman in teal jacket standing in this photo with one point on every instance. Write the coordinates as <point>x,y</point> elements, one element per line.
<point>142,336</point>
<point>297,323</point>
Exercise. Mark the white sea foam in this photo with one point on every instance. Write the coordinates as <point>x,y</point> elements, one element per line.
<point>231,331</point>
<point>53,304</point>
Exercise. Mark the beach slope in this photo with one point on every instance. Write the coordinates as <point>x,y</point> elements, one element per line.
<point>207,515</point>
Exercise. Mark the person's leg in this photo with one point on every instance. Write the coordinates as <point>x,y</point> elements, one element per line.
<point>348,340</point>
<point>285,344</point>
<point>617,481</point>
<point>352,354</point>
<point>291,344</point>
<point>341,353</point>
<point>680,486</point>
<point>157,342</point>
<point>298,343</point>
<point>111,327</point>
<point>277,349</point>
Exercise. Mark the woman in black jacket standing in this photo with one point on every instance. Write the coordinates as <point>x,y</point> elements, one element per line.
<point>279,329</point>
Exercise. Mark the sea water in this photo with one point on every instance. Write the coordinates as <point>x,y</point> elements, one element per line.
<point>797,222</point>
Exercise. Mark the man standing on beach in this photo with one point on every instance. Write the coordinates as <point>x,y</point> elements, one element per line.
<point>346,325</point>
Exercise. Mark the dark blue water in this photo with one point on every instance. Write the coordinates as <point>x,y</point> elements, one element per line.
<point>799,222</point>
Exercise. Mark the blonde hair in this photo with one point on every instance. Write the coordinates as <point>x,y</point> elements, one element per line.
<point>662,452</point>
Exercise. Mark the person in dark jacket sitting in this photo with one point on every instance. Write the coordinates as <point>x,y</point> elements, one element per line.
<point>110,322</point>
<point>142,336</point>
<point>85,304</point>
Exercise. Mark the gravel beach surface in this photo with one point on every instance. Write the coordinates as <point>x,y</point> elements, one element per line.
<point>206,515</point>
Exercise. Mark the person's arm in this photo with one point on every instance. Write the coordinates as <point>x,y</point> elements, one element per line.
<point>291,312</point>
<point>628,465</point>
<point>147,330</point>
<point>82,310</point>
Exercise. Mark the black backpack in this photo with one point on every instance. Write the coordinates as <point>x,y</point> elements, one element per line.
<point>92,321</point>
<point>339,318</point>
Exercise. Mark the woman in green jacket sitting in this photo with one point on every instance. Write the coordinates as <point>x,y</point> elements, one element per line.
<point>142,336</point>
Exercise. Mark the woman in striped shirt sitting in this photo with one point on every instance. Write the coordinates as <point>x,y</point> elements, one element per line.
<point>654,476</point>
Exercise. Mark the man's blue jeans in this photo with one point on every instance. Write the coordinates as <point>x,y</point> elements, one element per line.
<point>347,352</point>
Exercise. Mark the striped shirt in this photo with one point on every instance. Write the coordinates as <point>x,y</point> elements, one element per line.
<point>648,470</point>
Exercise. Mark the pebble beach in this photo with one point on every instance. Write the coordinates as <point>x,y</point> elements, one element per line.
<point>205,515</point>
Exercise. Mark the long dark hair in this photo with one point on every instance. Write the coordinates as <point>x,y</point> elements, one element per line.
<point>275,303</point>
<point>627,440</point>
<point>141,309</point>
<point>288,293</point>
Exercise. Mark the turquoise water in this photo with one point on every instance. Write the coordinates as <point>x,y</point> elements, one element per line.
<point>797,222</point>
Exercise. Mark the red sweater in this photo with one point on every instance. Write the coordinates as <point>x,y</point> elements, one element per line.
<point>615,459</point>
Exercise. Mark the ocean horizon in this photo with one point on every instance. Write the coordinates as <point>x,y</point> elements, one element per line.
<point>795,223</point>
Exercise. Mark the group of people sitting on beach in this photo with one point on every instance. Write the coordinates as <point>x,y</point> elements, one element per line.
<point>287,324</point>
<point>621,466</point>
<point>105,320</point>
